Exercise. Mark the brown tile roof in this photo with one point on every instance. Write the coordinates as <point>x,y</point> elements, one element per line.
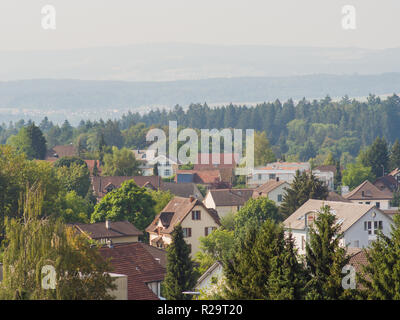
<point>333,196</point>
<point>367,191</point>
<point>117,229</point>
<point>61,151</point>
<point>268,187</point>
<point>358,258</point>
<point>386,182</point>
<point>231,197</point>
<point>99,183</point>
<point>135,261</point>
<point>157,253</point>
<point>175,211</point>
<point>184,190</point>
<point>203,176</point>
<point>348,212</point>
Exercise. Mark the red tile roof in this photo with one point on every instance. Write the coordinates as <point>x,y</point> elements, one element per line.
<point>134,260</point>
<point>231,197</point>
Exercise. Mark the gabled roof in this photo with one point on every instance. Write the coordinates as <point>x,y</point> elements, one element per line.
<point>208,272</point>
<point>231,197</point>
<point>175,211</point>
<point>347,213</point>
<point>99,183</point>
<point>117,229</point>
<point>367,191</point>
<point>267,187</point>
<point>388,182</point>
<point>135,261</point>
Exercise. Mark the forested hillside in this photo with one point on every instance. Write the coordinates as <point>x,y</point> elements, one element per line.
<point>308,129</point>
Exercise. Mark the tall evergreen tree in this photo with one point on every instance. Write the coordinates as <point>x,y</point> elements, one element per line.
<point>304,187</point>
<point>376,157</point>
<point>180,275</point>
<point>380,277</point>
<point>338,176</point>
<point>264,265</point>
<point>395,155</point>
<point>325,258</point>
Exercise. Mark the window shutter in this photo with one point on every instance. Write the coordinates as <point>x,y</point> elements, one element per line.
<point>190,232</point>
<point>206,231</point>
<point>192,215</point>
<point>199,214</point>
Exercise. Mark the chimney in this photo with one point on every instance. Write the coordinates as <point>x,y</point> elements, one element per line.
<point>107,224</point>
<point>192,198</point>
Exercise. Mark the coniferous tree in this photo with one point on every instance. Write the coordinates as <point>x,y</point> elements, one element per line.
<point>264,265</point>
<point>380,277</point>
<point>180,275</point>
<point>377,157</point>
<point>304,187</point>
<point>395,155</point>
<point>288,276</point>
<point>325,258</point>
<point>338,176</point>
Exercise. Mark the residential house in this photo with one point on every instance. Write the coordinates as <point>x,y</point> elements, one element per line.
<point>58,152</point>
<point>144,156</point>
<point>213,178</point>
<point>367,193</point>
<point>104,232</point>
<point>359,222</point>
<point>184,190</point>
<point>194,217</point>
<point>285,171</point>
<point>396,174</point>
<point>166,166</point>
<point>326,174</point>
<point>273,189</point>
<point>225,201</point>
<point>144,273</point>
<point>388,184</point>
<point>103,185</point>
<point>209,280</point>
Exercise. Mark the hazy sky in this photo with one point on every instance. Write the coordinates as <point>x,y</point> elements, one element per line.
<point>91,23</point>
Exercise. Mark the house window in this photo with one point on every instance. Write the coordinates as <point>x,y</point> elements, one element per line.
<point>187,232</point>
<point>279,198</point>
<point>368,226</point>
<point>167,172</point>
<point>378,204</point>
<point>208,230</point>
<point>272,176</point>
<point>368,202</point>
<point>196,215</point>
<point>259,176</point>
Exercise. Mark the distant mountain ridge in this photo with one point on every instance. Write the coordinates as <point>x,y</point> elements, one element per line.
<point>182,61</point>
